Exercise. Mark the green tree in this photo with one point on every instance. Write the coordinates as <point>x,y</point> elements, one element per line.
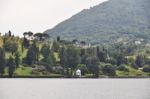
<point>30,34</point>
<point>139,61</point>
<point>2,61</point>
<point>83,58</point>
<point>120,59</point>
<point>92,64</point>
<point>63,56</point>
<point>17,59</point>
<point>38,36</point>
<point>133,65</point>
<point>49,62</point>
<point>11,46</point>
<point>58,38</point>
<point>45,50</point>
<point>131,60</point>
<point>55,46</point>
<point>11,66</point>
<point>112,61</point>
<point>9,33</point>
<point>82,52</point>
<point>91,51</point>
<point>32,55</point>
<point>146,69</point>
<point>72,57</point>
<point>122,68</point>
<point>101,54</point>
<point>109,70</point>
<point>25,43</point>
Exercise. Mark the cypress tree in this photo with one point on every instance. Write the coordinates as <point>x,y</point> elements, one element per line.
<point>11,66</point>
<point>32,54</point>
<point>2,61</point>
<point>17,59</point>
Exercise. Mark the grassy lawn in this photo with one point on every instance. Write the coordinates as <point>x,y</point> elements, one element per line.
<point>23,71</point>
<point>132,73</point>
<point>56,55</point>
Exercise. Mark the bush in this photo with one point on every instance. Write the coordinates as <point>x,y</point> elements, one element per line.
<point>122,68</point>
<point>146,69</point>
<point>109,70</point>
<point>112,61</point>
<point>147,61</point>
<point>134,66</point>
<point>130,60</point>
<point>140,61</point>
<point>11,46</point>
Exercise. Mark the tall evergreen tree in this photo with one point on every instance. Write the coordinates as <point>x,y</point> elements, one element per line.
<point>45,51</point>
<point>49,62</point>
<point>11,66</point>
<point>58,38</point>
<point>92,64</point>
<point>139,61</point>
<point>2,61</point>
<point>32,54</point>
<point>48,55</point>
<point>55,46</point>
<point>73,57</point>
<point>17,59</point>
<point>120,59</point>
<point>26,42</point>
<point>101,54</point>
<point>11,46</point>
<point>63,55</point>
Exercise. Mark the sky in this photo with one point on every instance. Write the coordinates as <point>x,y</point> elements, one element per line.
<point>38,15</point>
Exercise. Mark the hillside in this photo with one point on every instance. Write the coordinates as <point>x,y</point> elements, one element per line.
<point>106,22</point>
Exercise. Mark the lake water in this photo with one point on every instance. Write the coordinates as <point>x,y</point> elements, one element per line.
<point>74,88</point>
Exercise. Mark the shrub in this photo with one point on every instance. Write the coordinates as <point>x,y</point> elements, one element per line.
<point>11,46</point>
<point>109,70</point>
<point>146,69</point>
<point>122,68</point>
<point>112,61</point>
<point>134,66</point>
<point>139,60</point>
<point>147,61</point>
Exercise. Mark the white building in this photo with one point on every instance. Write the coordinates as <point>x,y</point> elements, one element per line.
<point>138,42</point>
<point>78,73</point>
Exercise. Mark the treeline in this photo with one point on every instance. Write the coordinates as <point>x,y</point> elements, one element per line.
<point>37,50</point>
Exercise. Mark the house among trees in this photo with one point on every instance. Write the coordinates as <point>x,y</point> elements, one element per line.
<point>82,44</point>
<point>78,73</point>
<point>137,42</point>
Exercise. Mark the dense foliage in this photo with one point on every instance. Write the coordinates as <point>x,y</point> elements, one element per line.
<point>45,57</point>
<point>108,22</point>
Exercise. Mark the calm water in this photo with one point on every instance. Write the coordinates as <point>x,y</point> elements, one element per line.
<point>74,88</point>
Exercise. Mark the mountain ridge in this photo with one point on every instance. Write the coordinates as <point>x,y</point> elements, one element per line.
<point>106,22</point>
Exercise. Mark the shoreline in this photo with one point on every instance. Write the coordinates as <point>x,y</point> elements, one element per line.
<point>61,77</point>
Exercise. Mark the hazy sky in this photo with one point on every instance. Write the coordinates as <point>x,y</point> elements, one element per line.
<point>38,15</point>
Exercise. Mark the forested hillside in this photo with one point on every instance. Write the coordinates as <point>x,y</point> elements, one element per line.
<point>105,23</point>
